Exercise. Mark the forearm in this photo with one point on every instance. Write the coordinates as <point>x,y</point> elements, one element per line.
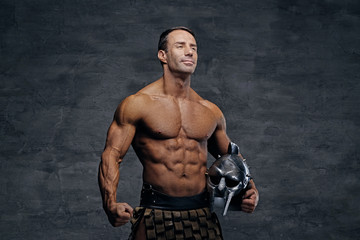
<point>108,178</point>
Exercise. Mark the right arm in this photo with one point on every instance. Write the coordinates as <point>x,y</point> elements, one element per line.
<point>119,138</point>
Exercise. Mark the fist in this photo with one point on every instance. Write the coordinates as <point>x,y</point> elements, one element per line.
<point>250,199</point>
<point>119,214</point>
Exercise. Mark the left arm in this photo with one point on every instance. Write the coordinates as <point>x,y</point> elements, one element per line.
<point>217,146</point>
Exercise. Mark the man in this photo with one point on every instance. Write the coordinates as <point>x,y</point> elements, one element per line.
<point>171,129</point>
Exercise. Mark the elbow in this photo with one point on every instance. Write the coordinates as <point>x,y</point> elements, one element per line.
<point>104,155</point>
<point>111,155</point>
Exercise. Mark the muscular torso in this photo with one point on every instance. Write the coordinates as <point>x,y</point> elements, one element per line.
<point>171,142</point>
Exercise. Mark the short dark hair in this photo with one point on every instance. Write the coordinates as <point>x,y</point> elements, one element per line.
<point>164,36</point>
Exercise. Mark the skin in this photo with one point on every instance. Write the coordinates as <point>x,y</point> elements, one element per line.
<point>171,129</point>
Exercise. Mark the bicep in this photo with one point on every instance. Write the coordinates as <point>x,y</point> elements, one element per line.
<point>219,141</point>
<point>122,130</point>
<point>119,138</point>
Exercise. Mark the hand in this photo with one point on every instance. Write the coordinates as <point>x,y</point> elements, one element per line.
<point>250,199</point>
<point>119,214</point>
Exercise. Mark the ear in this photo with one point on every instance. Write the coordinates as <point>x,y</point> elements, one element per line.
<point>162,56</point>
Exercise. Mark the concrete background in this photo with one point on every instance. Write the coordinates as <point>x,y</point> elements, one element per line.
<point>285,73</point>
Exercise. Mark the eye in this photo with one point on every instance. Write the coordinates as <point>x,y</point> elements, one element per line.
<point>231,182</point>
<point>215,180</point>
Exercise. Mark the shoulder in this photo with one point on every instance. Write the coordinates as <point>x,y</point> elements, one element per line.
<point>219,116</point>
<point>214,108</point>
<point>129,110</point>
<point>211,106</point>
<point>139,99</point>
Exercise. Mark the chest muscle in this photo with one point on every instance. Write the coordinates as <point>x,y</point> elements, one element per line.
<point>166,118</point>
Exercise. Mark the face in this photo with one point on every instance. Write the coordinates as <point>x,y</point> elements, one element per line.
<point>181,55</point>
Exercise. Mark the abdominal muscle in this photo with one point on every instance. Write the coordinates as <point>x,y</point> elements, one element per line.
<point>174,169</point>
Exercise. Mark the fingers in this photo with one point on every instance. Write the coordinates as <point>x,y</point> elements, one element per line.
<point>124,211</point>
<point>128,209</point>
<point>121,214</point>
<point>249,193</point>
<point>248,205</point>
<point>250,201</point>
<point>116,222</point>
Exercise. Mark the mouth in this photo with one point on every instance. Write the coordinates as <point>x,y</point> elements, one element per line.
<point>188,62</point>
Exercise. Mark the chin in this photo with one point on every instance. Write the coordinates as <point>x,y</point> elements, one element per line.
<point>190,70</point>
<point>184,70</point>
<point>187,72</point>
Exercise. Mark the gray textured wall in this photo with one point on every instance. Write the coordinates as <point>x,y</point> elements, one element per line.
<point>285,73</point>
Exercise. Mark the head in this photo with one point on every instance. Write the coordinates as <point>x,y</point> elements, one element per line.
<point>164,37</point>
<point>178,50</point>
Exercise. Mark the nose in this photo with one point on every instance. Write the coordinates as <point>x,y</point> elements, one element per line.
<point>189,51</point>
<point>222,184</point>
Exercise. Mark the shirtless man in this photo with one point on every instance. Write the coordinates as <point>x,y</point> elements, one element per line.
<point>171,129</point>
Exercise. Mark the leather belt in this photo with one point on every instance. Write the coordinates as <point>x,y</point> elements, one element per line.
<point>151,198</point>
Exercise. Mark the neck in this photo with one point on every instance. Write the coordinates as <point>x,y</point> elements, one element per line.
<point>176,85</point>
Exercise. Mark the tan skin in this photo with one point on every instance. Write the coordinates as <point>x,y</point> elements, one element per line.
<point>171,129</point>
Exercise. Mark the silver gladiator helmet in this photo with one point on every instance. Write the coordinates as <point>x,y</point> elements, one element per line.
<point>227,177</point>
